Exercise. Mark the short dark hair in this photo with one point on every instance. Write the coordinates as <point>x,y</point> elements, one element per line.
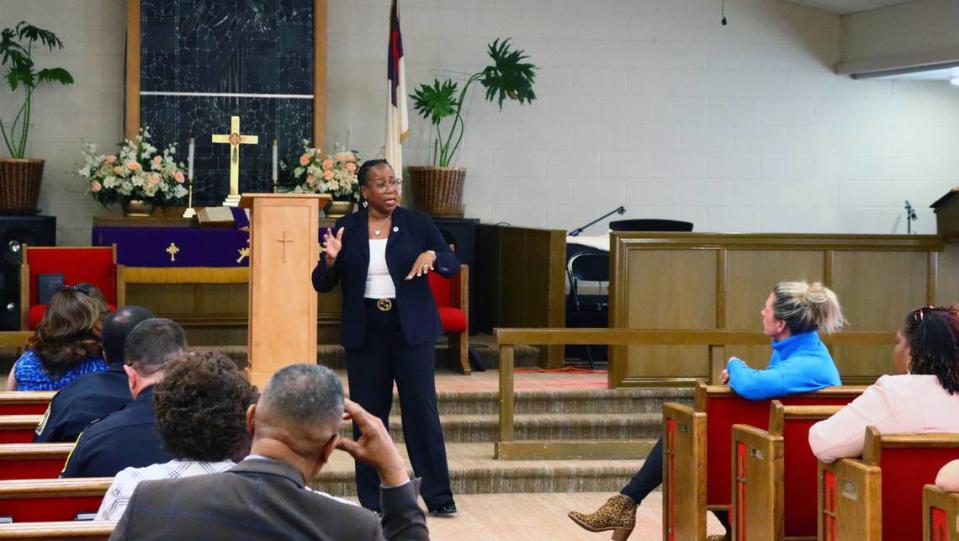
<point>932,333</point>
<point>201,407</point>
<point>305,394</point>
<point>363,175</point>
<point>153,343</point>
<point>117,326</point>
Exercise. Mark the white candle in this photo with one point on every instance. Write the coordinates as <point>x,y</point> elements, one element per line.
<point>190,162</point>
<point>275,160</point>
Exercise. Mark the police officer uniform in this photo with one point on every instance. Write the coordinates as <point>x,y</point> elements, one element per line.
<point>90,398</point>
<point>125,438</point>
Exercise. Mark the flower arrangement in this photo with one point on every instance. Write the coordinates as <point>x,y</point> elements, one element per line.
<point>138,172</point>
<point>334,175</point>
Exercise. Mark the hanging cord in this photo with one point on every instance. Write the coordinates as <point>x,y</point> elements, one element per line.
<point>724,13</point>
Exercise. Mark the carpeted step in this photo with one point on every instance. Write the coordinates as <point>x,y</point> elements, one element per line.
<point>548,426</point>
<point>568,401</point>
<point>474,471</point>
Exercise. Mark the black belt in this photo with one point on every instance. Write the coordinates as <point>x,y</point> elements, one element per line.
<point>383,305</point>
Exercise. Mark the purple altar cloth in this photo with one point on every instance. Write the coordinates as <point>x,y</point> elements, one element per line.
<point>196,247</point>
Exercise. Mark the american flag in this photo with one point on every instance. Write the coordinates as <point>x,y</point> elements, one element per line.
<point>397,123</point>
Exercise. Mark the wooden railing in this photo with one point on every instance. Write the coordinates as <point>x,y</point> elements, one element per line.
<point>508,448</point>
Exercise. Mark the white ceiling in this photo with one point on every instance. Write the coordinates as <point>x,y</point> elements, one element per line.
<point>841,7</point>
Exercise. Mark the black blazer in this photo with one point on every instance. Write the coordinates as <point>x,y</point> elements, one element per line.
<point>411,234</point>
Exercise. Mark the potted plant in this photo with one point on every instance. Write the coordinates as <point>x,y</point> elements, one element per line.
<point>438,189</point>
<point>334,175</point>
<point>138,177</point>
<point>19,176</point>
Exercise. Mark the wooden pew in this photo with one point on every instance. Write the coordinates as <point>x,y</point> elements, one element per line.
<point>18,428</point>
<point>879,496</point>
<point>51,500</point>
<point>33,460</point>
<point>940,514</point>
<point>24,403</point>
<point>723,409</point>
<point>73,530</point>
<point>774,475</point>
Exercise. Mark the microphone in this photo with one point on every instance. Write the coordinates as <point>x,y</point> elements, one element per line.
<point>576,232</point>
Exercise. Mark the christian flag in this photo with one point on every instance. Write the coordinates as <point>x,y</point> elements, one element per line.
<point>397,124</point>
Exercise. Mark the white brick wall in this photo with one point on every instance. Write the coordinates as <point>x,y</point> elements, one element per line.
<point>647,103</point>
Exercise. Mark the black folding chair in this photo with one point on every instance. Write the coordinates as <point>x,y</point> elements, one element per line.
<point>587,267</point>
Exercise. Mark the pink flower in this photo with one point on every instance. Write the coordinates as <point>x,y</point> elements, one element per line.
<point>111,158</point>
<point>133,166</point>
<point>157,160</point>
<point>327,175</point>
<point>95,186</point>
<point>305,159</point>
<point>327,165</point>
<point>118,170</point>
<point>153,179</point>
<point>179,177</point>
<point>310,179</point>
<point>350,157</point>
<point>351,167</point>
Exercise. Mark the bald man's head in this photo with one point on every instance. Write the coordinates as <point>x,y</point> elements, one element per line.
<point>117,326</point>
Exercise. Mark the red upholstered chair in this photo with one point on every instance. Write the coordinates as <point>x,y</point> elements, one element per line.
<point>452,299</point>
<point>95,265</point>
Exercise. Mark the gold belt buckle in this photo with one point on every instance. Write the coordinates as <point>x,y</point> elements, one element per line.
<point>384,305</point>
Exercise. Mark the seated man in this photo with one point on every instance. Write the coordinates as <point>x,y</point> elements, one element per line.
<point>201,415</point>
<point>93,396</point>
<point>128,437</point>
<point>294,427</point>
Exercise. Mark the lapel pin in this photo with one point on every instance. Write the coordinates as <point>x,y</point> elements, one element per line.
<point>395,229</point>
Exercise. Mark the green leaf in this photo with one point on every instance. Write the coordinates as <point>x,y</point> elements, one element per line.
<point>508,76</point>
<point>58,75</point>
<point>32,33</point>
<point>20,75</point>
<point>436,102</point>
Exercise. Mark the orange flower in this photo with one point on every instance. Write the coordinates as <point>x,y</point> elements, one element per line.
<point>179,177</point>
<point>327,175</point>
<point>327,164</point>
<point>351,167</point>
<point>111,158</point>
<point>133,166</point>
<point>157,160</point>
<point>95,187</point>
<point>305,159</point>
<point>118,170</point>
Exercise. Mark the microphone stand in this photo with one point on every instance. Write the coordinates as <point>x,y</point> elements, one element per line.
<point>576,232</point>
<point>910,217</point>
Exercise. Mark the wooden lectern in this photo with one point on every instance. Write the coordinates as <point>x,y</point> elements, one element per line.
<point>284,249</point>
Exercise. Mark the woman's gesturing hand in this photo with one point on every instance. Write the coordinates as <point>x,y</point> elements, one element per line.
<point>423,264</point>
<point>332,245</point>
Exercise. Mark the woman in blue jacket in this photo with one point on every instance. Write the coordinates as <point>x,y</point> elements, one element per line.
<point>793,315</point>
<point>381,256</point>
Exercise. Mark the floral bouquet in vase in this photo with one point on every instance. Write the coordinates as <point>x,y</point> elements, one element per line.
<point>138,175</point>
<point>334,175</point>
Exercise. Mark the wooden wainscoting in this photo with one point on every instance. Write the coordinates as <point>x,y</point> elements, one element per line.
<point>721,281</point>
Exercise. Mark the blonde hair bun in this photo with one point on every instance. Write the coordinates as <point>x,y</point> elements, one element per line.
<point>807,306</point>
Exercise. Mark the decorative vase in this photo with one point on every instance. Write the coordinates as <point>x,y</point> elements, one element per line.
<point>20,185</point>
<point>338,209</point>
<point>137,208</point>
<point>438,191</point>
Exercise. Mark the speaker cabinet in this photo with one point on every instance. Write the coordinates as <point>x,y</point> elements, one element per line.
<point>15,231</point>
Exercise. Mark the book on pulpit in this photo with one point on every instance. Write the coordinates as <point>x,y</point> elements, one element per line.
<point>215,217</point>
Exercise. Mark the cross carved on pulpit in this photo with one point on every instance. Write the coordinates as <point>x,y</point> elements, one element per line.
<point>284,241</point>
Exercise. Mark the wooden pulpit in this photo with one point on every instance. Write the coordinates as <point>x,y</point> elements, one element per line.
<point>947,215</point>
<point>284,249</point>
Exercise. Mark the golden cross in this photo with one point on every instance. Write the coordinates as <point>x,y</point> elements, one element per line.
<point>173,250</point>
<point>285,241</point>
<point>235,139</point>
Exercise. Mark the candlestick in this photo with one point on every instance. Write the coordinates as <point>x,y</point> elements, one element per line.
<point>275,160</point>
<point>190,163</point>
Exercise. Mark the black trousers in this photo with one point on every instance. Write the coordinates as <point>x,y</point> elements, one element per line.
<point>371,371</point>
<point>650,476</point>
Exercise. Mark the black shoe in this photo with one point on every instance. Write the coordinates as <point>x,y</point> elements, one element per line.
<point>448,509</point>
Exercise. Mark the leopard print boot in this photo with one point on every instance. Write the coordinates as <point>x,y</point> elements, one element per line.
<point>617,514</point>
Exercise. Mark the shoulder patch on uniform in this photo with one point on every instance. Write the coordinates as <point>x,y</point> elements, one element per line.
<point>43,421</point>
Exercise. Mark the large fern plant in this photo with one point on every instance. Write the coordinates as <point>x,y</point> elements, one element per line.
<point>508,76</point>
<point>16,56</point>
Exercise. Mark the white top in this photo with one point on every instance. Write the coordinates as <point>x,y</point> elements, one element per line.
<point>379,283</point>
<point>894,405</point>
<point>118,495</point>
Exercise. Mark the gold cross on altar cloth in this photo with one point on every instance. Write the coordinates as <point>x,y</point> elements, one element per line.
<point>235,139</point>
<point>173,250</point>
<point>285,241</point>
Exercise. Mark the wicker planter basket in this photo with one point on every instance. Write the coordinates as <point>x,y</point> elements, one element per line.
<point>438,190</point>
<point>20,185</point>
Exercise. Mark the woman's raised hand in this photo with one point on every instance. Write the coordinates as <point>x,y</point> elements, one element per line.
<point>332,245</point>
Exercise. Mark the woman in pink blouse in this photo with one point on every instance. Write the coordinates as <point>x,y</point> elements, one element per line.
<point>921,398</point>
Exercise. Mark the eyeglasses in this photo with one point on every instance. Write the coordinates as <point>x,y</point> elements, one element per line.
<point>919,314</point>
<point>80,288</point>
<point>383,186</point>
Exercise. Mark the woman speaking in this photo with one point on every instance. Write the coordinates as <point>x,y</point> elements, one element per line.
<point>381,256</point>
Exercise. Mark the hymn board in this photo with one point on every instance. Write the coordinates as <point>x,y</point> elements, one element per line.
<point>193,64</point>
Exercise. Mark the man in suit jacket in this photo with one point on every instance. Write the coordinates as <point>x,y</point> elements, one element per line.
<point>294,428</point>
<point>94,396</point>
